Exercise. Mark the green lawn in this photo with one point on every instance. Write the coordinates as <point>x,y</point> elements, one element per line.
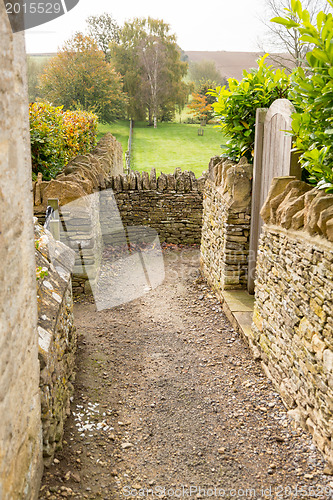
<point>168,146</point>
<point>173,145</point>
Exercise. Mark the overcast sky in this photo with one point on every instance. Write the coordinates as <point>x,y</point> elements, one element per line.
<point>231,25</point>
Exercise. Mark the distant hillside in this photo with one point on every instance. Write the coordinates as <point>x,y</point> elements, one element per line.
<point>231,64</point>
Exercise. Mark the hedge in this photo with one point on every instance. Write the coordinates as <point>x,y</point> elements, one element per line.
<point>57,136</point>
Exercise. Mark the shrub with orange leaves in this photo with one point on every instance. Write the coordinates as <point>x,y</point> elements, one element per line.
<point>80,131</point>
<point>57,136</point>
<point>199,106</point>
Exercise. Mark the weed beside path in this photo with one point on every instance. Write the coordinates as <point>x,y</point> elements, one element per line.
<point>168,399</point>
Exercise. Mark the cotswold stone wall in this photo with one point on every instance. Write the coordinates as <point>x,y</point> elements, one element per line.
<point>80,230</point>
<point>56,337</point>
<point>171,204</point>
<point>82,176</point>
<point>75,188</point>
<point>20,423</point>
<point>226,225</point>
<point>293,317</point>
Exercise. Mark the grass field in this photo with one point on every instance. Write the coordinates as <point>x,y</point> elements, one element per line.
<point>173,145</point>
<point>168,146</point>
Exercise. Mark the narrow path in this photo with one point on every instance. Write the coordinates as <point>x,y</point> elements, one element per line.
<point>173,406</point>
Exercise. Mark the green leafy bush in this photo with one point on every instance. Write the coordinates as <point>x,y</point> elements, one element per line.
<point>57,136</point>
<point>47,139</point>
<point>236,107</point>
<point>312,94</point>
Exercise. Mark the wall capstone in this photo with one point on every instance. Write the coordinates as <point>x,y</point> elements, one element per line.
<point>296,205</point>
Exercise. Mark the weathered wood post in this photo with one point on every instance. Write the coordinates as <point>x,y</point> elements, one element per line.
<point>256,185</point>
<point>273,158</point>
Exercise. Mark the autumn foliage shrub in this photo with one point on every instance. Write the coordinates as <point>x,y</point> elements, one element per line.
<point>199,106</point>
<point>57,136</point>
<point>80,131</point>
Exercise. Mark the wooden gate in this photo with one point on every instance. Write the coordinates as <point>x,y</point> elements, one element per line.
<point>272,158</point>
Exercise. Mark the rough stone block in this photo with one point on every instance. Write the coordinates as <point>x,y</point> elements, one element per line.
<point>132,181</point>
<point>153,180</point>
<point>277,188</point>
<point>145,181</point>
<point>162,182</point>
<point>319,204</point>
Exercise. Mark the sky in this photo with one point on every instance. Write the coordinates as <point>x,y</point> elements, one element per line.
<point>231,25</point>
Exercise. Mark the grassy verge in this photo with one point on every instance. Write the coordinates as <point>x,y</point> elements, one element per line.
<point>173,145</point>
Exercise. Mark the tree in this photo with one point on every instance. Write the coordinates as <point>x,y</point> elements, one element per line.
<point>199,106</point>
<point>312,93</point>
<point>149,59</point>
<point>288,40</point>
<point>202,102</point>
<point>78,77</point>
<point>153,59</point>
<point>104,30</point>
<point>205,70</point>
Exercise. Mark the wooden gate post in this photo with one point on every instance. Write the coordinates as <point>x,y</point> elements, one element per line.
<point>256,185</point>
<point>273,158</point>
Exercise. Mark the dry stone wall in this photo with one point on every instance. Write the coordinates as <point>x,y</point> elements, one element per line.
<point>171,204</point>
<point>20,422</point>
<point>226,225</point>
<point>82,176</point>
<point>80,230</point>
<point>293,317</point>
<point>75,188</point>
<point>56,337</point>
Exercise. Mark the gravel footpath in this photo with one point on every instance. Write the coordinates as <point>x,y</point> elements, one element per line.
<point>169,403</point>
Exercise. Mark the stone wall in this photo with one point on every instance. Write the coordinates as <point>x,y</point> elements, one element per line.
<point>226,225</point>
<point>80,230</point>
<point>76,188</point>
<point>20,429</point>
<point>293,317</point>
<point>171,204</point>
<point>56,335</point>
<point>82,176</point>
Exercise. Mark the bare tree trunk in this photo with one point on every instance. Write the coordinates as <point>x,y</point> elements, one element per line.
<point>288,41</point>
<point>150,117</point>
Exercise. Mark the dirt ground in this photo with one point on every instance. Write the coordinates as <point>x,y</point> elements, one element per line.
<point>170,404</point>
